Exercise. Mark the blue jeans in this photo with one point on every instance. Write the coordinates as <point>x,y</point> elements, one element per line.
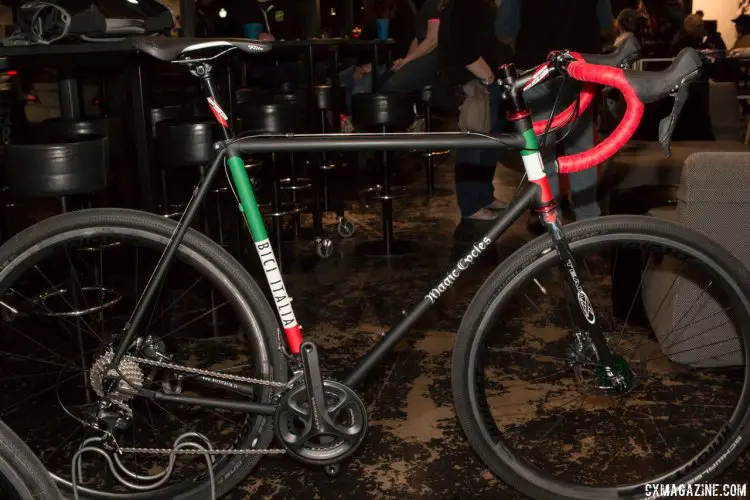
<point>583,184</point>
<point>412,77</point>
<point>415,75</point>
<point>354,87</point>
<point>475,168</point>
<point>275,77</point>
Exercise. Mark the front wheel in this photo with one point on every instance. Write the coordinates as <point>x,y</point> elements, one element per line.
<point>539,409</point>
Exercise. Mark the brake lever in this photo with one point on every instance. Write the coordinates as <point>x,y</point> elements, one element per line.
<point>668,124</point>
<point>630,60</point>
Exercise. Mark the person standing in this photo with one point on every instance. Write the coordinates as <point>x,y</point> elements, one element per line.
<point>280,20</point>
<point>470,53</point>
<point>535,28</point>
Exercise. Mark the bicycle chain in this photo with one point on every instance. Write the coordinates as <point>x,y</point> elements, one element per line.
<point>209,373</point>
<point>168,451</point>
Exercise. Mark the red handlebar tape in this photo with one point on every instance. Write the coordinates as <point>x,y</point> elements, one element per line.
<point>612,77</point>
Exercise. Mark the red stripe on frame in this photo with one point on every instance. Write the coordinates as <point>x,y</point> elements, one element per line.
<point>294,338</point>
<point>219,114</point>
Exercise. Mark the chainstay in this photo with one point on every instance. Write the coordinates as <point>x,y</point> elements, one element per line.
<point>208,373</point>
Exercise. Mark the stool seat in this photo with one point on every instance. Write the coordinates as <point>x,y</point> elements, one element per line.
<point>111,128</point>
<point>241,96</point>
<point>61,127</point>
<point>62,168</point>
<point>392,109</point>
<point>298,98</point>
<point>325,96</point>
<point>167,113</point>
<point>272,118</point>
<point>197,107</point>
<point>186,143</point>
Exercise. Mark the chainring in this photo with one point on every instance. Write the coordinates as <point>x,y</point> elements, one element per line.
<point>293,423</point>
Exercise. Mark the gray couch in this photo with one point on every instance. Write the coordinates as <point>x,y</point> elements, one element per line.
<point>713,198</point>
<point>643,164</point>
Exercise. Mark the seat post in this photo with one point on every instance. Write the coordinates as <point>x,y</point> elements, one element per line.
<point>208,84</point>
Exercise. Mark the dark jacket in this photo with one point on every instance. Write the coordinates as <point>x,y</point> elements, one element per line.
<point>284,19</point>
<point>548,25</point>
<point>466,34</point>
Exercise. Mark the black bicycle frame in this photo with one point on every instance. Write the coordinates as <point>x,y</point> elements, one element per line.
<point>537,194</point>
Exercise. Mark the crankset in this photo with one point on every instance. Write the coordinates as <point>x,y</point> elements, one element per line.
<point>320,421</point>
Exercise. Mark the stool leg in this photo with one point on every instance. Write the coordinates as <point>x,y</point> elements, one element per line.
<point>72,280</point>
<point>278,223</point>
<point>296,217</point>
<point>164,195</point>
<point>389,245</point>
<point>387,203</point>
<point>211,298</point>
<point>219,220</point>
<point>318,209</point>
<point>320,192</point>
<point>430,166</point>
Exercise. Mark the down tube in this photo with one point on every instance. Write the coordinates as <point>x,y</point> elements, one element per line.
<point>390,339</point>
<point>249,207</point>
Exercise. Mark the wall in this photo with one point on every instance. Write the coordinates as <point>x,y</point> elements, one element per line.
<point>722,11</point>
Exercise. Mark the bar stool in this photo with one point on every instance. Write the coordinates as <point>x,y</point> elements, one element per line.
<point>64,169</point>
<point>109,127</point>
<point>188,145</point>
<point>59,169</point>
<point>383,112</point>
<point>294,184</point>
<point>278,115</point>
<point>172,112</point>
<point>430,156</point>
<point>324,105</point>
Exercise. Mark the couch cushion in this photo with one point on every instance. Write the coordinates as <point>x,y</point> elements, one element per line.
<point>643,163</point>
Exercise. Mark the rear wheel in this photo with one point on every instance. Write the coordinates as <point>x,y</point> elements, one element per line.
<point>536,405</point>
<point>68,287</point>
<point>22,475</point>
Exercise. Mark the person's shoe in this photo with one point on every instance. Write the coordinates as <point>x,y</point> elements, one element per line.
<point>497,206</point>
<point>417,126</point>
<point>346,124</point>
<point>483,214</point>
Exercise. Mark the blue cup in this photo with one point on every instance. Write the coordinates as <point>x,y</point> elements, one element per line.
<point>383,25</point>
<point>253,30</point>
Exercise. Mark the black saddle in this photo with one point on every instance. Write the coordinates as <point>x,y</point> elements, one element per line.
<point>174,49</point>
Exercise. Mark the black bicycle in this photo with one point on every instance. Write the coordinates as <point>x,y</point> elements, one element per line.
<point>114,370</point>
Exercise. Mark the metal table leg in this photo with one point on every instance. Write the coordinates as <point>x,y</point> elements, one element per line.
<point>141,135</point>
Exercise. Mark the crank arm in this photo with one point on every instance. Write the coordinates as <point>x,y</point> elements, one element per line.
<point>321,422</point>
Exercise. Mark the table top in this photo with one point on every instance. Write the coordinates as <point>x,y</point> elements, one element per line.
<point>67,48</point>
<point>77,48</point>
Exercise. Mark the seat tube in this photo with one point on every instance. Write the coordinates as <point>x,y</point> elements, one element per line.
<point>254,221</point>
<point>520,116</point>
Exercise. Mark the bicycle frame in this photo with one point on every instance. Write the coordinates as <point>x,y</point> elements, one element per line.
<point>537,194</point>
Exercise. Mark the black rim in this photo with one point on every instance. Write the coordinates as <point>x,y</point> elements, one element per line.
<point>232,296</point>
<point>482,414</point>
